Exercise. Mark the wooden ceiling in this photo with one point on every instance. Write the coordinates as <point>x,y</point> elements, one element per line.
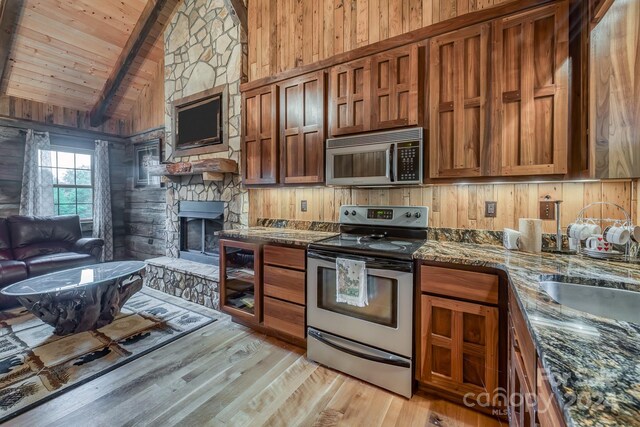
<point>63,52</point>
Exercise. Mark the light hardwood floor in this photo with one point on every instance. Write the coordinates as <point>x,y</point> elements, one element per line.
<point>227,375</point>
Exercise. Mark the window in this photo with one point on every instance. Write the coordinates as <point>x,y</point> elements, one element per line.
<point>72,182</point>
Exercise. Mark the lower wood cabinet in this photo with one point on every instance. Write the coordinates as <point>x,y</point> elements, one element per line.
<point>459,346</point>
<point>263,287</point>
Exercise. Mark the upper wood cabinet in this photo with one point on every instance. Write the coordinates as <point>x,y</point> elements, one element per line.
<point>458,79</point>
<point>394,88</point>
<point>260,131</point>
<point>350,97</point>
<point>531,80</point>
<point>302,129</point>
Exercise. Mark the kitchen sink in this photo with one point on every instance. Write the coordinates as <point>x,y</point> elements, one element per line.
<point>618,304</point>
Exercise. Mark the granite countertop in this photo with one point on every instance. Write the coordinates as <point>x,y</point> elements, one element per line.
<point>286,236</point>
<point>593,362</point>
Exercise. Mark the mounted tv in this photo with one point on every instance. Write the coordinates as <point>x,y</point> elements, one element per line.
<point>199,122</point>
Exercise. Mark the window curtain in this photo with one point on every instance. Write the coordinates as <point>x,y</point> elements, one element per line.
<point>102,221</point>
<point>36,197</point>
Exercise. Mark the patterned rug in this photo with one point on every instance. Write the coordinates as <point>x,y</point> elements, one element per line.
<point>36,365</point>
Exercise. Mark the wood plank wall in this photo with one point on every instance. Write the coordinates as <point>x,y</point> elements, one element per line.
<point>19,108</point>
<point>285,34</point>
<point>456,206</point>
<point>148,111</point>
<point>11,161</point>
<point>145,211</point>
<point>615,91</point>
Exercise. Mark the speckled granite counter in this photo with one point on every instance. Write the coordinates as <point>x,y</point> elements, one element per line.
<point>285,236</point>
<point>594,361</point>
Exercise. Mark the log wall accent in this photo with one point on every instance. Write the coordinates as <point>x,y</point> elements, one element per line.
<point>456,206</point>
<point>284,34</point>
<point>20,108</point>
<point>615,92</point>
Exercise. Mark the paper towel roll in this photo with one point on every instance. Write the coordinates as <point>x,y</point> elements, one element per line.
<point>531,234</point>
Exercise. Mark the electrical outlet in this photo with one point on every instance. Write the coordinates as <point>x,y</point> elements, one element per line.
<point>303,205</point>
<point>490,209</point>
<point>547,210</point>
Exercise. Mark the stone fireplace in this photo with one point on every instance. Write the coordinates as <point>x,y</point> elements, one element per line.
<point>205,49</point>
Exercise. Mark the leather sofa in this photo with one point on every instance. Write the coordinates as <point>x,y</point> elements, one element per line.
<point>33,246</point>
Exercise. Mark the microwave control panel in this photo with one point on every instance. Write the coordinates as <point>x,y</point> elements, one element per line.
<point>409,161</point>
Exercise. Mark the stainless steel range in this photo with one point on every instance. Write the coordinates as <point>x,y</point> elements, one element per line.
<point>372,341</point>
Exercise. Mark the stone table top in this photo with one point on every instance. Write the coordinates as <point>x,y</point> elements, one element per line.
<point>73,279</point>
<point>593,362</point>
<point>285,236</point>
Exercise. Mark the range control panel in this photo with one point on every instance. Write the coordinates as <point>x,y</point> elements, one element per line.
<point>392,216</point>
<point>409,161</point>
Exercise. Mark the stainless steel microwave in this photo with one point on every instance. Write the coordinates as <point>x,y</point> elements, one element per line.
<point>381,158</point>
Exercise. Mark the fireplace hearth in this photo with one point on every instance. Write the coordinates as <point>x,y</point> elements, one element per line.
<point>199,223</point>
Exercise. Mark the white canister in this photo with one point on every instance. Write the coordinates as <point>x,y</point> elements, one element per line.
<point>531,234</point>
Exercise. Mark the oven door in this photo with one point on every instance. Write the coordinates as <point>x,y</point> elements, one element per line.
<point>385,323</point>
<point>371,164</point>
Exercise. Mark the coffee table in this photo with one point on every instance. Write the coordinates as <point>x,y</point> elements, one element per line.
<point>82,298</point>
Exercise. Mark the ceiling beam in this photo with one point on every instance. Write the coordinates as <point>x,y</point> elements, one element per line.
<point>238,12</point>
<point>10,11</point>
<point>149,27</point>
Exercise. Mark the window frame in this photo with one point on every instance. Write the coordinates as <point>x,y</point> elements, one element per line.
<point>91,153</point>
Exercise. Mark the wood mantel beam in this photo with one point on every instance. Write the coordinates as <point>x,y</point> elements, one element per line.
<point>148,29</point>
<point>10,11</point>
<point>238,12</point>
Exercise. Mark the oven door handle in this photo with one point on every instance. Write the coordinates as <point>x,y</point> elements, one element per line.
<point>392,360</point>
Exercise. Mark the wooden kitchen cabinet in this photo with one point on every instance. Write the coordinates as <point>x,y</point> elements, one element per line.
<point>302,129</point>
<point>350,97</point>
<point>395,82</point>
<point>260,136</point>
<point>459,346</point>
<point>530,78</point>
<point>241,280</point>
<point>459,137</point>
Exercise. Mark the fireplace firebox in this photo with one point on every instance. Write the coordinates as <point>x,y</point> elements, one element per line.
<point>199,223</point>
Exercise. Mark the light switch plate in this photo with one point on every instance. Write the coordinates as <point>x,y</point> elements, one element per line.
<point>547,210</point>
<point>303,205</point>
<point>490,209</point>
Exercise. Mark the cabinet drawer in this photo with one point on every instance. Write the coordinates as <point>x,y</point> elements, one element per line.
<point>469,285</point>
<point>284,284</point>
<point>284,257</point>
<point>284,317</point>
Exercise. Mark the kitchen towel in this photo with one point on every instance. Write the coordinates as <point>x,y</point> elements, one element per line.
<point>351,283</point>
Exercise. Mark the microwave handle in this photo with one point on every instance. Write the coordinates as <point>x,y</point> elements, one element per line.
<point>391,167</point>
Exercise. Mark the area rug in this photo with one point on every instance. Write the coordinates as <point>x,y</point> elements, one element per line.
<point>36,365</point>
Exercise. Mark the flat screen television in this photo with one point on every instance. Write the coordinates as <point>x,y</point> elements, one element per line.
<point>199,123</point>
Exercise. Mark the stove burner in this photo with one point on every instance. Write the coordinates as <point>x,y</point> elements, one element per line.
<point>383,246</point>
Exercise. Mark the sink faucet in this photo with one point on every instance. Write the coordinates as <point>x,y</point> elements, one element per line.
<point>558,226</point>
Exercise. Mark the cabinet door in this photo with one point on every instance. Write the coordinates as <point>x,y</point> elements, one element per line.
<point>458,113</point>
<point>522,398</point>
<point>394,84</point>
<point>350,97</point>
<point>531,77</point>
<point>260,136</point>
<point>302,129</point>
<point>241,280</point>
<point>459,346</point>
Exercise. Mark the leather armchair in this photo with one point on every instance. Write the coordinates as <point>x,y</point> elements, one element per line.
<point>89,245</point>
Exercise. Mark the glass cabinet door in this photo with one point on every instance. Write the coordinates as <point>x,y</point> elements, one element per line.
<point>240,270</point>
